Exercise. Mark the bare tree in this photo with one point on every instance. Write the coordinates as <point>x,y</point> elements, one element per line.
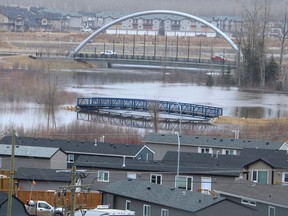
<point>253,44</point>
<point>282,35</point>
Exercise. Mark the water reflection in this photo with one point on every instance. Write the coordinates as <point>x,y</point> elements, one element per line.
<point>141,84</point>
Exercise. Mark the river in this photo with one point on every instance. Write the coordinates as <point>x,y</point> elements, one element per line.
<point>143,84</point>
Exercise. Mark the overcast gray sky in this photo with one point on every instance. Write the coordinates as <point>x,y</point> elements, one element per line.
<point>195,7</point>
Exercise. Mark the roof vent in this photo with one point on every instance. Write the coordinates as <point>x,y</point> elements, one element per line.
<point>197,137</point>
<point>267,143</point>
<point>148,188</point>
<point>95,142</point>
<point>199,201</point>
<point>124,161</point>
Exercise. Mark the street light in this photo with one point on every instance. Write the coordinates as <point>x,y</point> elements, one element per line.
<point>178,159</point>
<point>180,110</point>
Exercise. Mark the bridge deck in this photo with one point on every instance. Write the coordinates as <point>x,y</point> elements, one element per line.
<point>152,106</point>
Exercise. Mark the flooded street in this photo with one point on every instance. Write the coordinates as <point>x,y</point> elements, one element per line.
<point>140,84</point>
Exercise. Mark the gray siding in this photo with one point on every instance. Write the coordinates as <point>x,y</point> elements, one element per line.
<point>224,208</point>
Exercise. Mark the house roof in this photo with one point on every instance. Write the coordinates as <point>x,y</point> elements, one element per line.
<point>270,194</point>
<point>29,151</point>
<point>17,206</point>
<point>162,195</point>
<point>14,12</point>
<point>275,158</point>
<point>36,174</point>
<point>198,167</point>
<point>216,142</point>
<point>80,147</point>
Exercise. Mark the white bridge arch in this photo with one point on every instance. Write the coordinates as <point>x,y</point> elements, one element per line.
<point>85,41</point>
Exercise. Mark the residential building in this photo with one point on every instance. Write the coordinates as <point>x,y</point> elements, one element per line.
<point>149,199</point>
<point>161,143</point>
<point>265,199</point>
<point>42,179</point>
<point>74,149</point>
<point>32,157</point>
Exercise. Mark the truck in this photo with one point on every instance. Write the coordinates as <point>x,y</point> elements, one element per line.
<point>104,210</point>
<point>42,208</point>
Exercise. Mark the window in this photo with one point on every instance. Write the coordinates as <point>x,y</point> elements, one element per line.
<point>103,176</point>
<point>204,150</point>
<point>271,211</point>
<point>146,210</point>
<point>185,182</point>
<point>128,205</point>
<point>260,176</point>
<point>131,176</point>
<point>155,178</point>
<point>284,176</point>
<point>0,162</point>
<point>164,212</point>
<point>70,158</point>
<point>248,202</point>
<point>229,152</point>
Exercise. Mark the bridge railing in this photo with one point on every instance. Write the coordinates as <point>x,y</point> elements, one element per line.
<point>165,107</point>
<point>134,58</point>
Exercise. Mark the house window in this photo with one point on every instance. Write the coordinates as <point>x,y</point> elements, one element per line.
<point>260,176</point>
<point>103,176</point>
<point>164,212</point>
<point>284,176</point>
<point>128,205</point>
<point>155,178</point>
<point>131,176</point>
<point>204,150</point>
<point>185,182</point>
<point>70,158</point>
<point>229,152</point>
<point>248,202</point>
<point>271,211</point>
<point>146,210</point>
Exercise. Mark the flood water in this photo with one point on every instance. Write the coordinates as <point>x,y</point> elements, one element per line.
<point>143,84</point>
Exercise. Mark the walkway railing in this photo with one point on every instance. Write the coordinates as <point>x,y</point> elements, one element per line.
<point>141,105</point>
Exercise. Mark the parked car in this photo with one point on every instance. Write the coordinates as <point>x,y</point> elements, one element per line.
<point>218,58</point>
<point>108,52</point>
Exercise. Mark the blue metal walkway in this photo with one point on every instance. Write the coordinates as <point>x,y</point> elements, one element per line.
<point>141,105</point>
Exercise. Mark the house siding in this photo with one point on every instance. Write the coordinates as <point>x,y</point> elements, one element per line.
<point>260,209</point>
<point>58,161</point>
<point>223,208</point>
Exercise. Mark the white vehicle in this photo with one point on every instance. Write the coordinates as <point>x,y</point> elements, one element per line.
<point>42,208</point>
<point>108,52</point>
<point>87,29</point>
<point>104,210</point>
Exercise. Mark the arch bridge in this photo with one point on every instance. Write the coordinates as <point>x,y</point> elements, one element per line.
<point>169,12</point>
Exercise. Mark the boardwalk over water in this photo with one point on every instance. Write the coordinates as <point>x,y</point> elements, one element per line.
<point>144,107</point>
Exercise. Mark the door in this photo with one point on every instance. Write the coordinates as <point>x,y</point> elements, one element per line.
<point>206,185</point>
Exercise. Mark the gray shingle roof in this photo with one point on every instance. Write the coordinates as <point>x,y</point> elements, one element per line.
<point>206,141</point>
<point>275,158</point>
<point>200,166</point>
<point>79,147</point>
<point>162,195</point>
<point>42,175</point>
<point>28,151</point>
<point>271,194</point>
<point>17,206</point>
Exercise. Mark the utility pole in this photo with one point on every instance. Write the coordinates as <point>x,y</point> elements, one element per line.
<point>73,189</point>
<point>11,181</point>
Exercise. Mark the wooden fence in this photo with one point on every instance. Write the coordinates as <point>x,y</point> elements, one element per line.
<point>83,199</point>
